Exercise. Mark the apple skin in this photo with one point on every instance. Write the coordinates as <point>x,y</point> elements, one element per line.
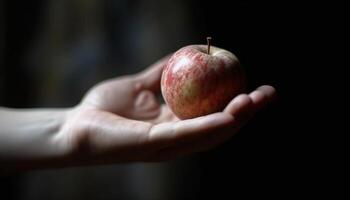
<point>195,83</point>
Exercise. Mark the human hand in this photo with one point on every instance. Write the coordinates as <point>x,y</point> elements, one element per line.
<point>121,120</point>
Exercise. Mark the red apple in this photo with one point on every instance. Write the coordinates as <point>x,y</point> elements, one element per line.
<point>199,80</point>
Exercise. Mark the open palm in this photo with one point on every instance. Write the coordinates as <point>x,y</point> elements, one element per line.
<point>122,120</point>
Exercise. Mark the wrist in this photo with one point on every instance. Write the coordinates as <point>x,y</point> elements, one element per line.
<point>64,139</point>
<point>69,140</point>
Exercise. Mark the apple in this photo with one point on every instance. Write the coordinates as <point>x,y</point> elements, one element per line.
<point>201,79</point>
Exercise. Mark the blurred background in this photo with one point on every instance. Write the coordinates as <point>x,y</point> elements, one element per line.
<point>52,52</point>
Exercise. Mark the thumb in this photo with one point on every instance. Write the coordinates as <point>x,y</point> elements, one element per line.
<point>150,77</point>
<point>146,106</point>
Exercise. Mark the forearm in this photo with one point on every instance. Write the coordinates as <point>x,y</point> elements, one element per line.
<point>30,137</point>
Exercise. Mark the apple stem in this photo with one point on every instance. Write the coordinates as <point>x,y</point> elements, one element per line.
<point>208,42</point>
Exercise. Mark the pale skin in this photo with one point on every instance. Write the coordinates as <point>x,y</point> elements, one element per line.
<point>118,120</point>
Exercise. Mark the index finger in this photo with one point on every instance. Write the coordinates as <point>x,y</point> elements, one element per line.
<point>262,96</point>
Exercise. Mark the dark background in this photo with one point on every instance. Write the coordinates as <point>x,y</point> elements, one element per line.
<point>51,53</point>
